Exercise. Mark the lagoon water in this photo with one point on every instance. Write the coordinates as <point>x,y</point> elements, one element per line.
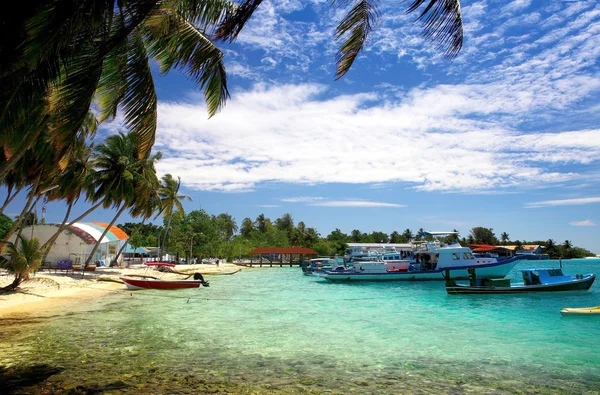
<point>275,331</point>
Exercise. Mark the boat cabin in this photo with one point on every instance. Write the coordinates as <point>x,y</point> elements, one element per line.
<point>543,276</point>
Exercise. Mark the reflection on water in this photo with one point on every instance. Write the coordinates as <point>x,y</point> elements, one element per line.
<point>276,331</point>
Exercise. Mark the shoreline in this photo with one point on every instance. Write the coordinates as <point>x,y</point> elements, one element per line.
<point>48,291</point>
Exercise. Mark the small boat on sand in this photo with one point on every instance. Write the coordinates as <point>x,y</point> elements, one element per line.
<point>149,282</point>
<point>581,311</point>
<point>534,280</point>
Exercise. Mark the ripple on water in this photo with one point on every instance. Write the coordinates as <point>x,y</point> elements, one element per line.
<point>276,331</point>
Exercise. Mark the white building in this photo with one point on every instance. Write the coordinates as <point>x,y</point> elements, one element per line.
<point>76,242</point>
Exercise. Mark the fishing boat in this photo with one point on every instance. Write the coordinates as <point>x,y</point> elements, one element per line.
<point>581,311</point>
<point>428,262</point>
<point>318,264</point>
<point>151,282</point>
<point>534,280</point>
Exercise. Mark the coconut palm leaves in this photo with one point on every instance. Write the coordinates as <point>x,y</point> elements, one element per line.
<point>442,23</point>
<point>68,52</point>
<point>355,26</point>
<point>24,259</point>
<point>171,201</point>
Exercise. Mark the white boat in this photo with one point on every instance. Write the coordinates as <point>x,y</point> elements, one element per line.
<point>431,259</point>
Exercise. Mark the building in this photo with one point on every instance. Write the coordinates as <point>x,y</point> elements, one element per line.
<point>76,241</point>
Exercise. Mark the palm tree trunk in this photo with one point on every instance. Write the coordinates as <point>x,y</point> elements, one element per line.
<point>37,199</point>
<point>89,259</point>
<point>26,209</point>
<point>64,225</point>
<point>47,246</point>
<point>11,196</point>
<point>127,241</point>
<point>162,248</point>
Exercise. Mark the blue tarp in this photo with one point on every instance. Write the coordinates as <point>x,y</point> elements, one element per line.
<point>140,250</point>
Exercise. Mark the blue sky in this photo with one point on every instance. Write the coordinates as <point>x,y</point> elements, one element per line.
<point>504,136</point>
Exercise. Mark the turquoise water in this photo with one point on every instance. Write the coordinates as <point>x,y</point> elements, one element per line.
<point>273,330</point>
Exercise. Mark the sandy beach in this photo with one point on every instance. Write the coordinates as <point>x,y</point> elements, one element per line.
<point>48,290</point>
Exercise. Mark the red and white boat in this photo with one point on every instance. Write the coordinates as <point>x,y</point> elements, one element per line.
<point>147,282</point>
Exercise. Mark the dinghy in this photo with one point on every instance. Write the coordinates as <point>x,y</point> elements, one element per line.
<point>580,310</point>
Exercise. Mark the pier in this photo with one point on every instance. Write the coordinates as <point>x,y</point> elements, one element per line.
<point>279,256</point>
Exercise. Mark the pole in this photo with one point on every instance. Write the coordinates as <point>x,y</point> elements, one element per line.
<point>191,240</point>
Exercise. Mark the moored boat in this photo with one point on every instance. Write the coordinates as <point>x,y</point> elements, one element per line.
<point>149,282</point>
<point>318,264</point>
<point>581,311</point>
<point>431,259</point>
<point>534,280</point>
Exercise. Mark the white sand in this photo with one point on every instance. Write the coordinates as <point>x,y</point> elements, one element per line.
<point>49,290</point>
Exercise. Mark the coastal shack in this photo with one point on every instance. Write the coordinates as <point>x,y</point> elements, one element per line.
<point>75,243</point>
<point>292,256</point>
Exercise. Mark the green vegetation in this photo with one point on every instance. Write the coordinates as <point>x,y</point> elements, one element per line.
<point>24,259</point>
<point>203,235</point>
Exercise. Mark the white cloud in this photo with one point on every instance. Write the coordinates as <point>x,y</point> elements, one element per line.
<point>268,205</point>
<point>587,222</point>
<point>446,138</point>
<point>355,203</point>
<point>564,202</point>
<point>302,199</point>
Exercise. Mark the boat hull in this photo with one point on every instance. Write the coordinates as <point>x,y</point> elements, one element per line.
<point>149,283</point>
<point>576,285</point>
<point>492,270</point>
<point>581,311</point>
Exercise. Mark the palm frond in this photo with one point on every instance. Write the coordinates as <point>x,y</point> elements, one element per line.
<point>140,102</point>
<point>442,24</point>
<point>72,95</point>
<point>231,27</point>
<point>59,27</point>
<point>355,27</point>
<point>176,43</point>
<point>205,14</point>
<point>113,81</point>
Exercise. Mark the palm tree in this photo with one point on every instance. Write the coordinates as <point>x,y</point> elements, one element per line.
<point>285,223</point>
<point>62,54</point>
<point>261,223</point>
<point>119,173</point>
<point>408,234</point>
<point>228,225</point>
<point>23,260</point>
<point>247,228</point>
<point>146,201</point>
<point>356,236</point>
<point>504,237</point>
<point>56,56</point>
<point>171,202</point>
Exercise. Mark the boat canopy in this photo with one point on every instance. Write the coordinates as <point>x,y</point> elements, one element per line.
<point>160,264</point>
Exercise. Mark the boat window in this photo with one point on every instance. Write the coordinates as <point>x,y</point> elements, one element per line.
<point>468,255</point>
<point>555,273</point>
<point>455,256</point>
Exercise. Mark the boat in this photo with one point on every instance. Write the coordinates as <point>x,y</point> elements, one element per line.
<point>318,264</point>
<point>150,282</point>
<point>428,261</point>
<point>534,280</point>
<point>581,311</point>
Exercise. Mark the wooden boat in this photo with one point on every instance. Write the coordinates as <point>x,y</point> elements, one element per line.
<point>433,259</point>
<point>581,311</point>
<point>149,282</point>
<point>534,280</point>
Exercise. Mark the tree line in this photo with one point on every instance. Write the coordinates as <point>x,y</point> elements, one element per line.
<point>199,234</point>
